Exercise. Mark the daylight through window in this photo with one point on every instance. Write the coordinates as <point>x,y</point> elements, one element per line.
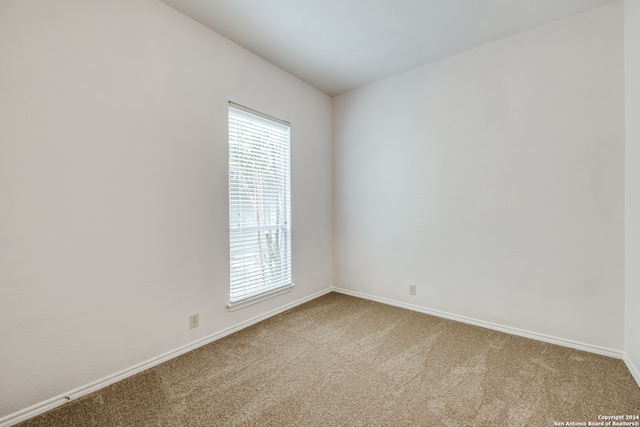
<point>259,204</point>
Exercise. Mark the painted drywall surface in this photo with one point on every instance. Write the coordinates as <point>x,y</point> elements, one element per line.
<point>494,181</point>
<point>632,124</point>
<point>113,175</point>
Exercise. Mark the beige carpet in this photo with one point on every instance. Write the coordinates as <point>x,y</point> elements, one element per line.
<point>344,361</point>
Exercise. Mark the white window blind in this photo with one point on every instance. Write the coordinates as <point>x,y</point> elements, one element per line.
<point>259,204</point>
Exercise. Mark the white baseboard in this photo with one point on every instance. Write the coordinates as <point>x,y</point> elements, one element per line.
<point>49,404</point>
<point>489,325</point>
<point>635,372</point>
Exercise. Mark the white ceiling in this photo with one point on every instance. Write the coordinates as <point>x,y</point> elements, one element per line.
<point>339,45</point>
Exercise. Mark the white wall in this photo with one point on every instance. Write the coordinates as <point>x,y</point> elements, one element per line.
<point>494,181</point>
<point>632,110</point>
<point>113,176</point>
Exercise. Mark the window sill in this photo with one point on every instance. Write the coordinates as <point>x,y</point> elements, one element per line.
<point>233,306</point>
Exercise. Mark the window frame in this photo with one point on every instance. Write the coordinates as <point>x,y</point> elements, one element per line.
<point>283,271</point>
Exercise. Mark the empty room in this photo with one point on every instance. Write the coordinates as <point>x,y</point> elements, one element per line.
<point>319,213</point>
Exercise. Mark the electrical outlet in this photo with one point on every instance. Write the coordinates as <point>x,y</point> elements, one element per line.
<point>194,320</point>
<point>412,289</point>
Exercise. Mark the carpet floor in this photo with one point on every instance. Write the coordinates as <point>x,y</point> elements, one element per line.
<point>345,361</point>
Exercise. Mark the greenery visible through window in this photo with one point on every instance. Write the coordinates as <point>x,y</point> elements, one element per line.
<point>259,203</point>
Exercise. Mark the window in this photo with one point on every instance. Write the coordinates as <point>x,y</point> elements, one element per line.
<point>259,206</point>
